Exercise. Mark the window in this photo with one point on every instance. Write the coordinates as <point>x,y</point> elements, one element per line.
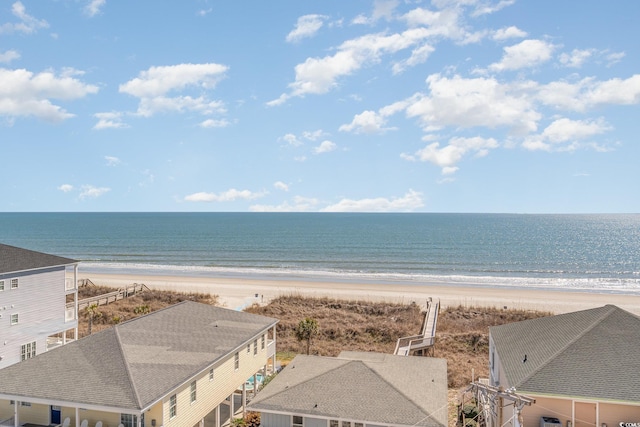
<point>296,421</point>
<point>358,425</point>
<point>25,403</point>
<point>173,406</point>
<point>128,420</point>
<point>14,319</point>
<point>248,348</point>
<point>27,351</point>
<point>236,358</point>
<point>262,342</point>
<point>1,285</point>
<point>193,391</point>
<point>333,423</point>
<point>346,424</point>
<point>211,374</point>
<point>255,347</point>
<point>14,283</point>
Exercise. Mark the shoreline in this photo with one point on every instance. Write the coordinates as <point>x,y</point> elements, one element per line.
<point>237,293</point>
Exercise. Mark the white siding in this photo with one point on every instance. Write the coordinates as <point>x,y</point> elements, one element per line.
<point>274,420</point>
<point>40,303</point>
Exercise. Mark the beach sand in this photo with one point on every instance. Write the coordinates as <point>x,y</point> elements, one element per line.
<point>237,293</point>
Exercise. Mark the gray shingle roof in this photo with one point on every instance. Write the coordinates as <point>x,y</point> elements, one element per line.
<point>14,259</point>
<point>370,387</point>
<point>591,353</point>
<point>134,364</point>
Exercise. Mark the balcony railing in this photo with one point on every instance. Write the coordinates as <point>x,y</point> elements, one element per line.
<point>271,348</point>
<point>70,312</point>
<point>69,284</point>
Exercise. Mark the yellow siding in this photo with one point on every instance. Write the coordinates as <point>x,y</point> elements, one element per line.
<point>612,414</point>
<point>211,393</point>
<point>546,407</point>
<point>108,419</point>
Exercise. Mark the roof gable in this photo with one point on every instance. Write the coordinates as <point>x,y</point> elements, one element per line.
<point>14,259</point>
<point>590,353</point>
<point>139,361</point>
<point>379,392</point>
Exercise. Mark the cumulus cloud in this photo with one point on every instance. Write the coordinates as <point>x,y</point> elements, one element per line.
<point>154,85</point>
<point>89,191</point>
<point>111,120</point>
<point>576,58</point>
<point>94,7</point>
<point>325,147</point>
<point>407,203</point>
<point>8,56</point>
<point>508,33</point>
<point>449,155</point>
<point>213,123</point>
<point>463,102</point>
<point>292,140</point>
<point>65,188</point>
<point>281,186</point>
<point>23,93</point>
<point>314,135</point>
<point>382,9</point>
<point>307,26</point>
<point>565,134</point>
<point>225,196</point>
<point>366,122</point>
<point>26,24</point>
<point>527,53</point>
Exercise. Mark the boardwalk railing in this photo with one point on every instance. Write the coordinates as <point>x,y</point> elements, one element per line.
<point>427,338</point>
<point>114,296</point>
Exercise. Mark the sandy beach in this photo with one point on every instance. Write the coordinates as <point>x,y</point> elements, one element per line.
<point>236,293</point>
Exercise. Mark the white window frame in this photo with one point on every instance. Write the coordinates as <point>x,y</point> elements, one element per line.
<point>14,283</point>
<point>27,351</point>
<point>262,340</point>
<point>236,361</point>
<point>173,406</point>
<point>15,319</point>
<point>255,346</point>
<point>211,374</point>
<point>1,285</point>
<point>294,423</point>
<point>249,348</point>
<point>194,391</point>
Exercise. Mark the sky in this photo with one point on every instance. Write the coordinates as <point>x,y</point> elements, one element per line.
<point>497,106</point>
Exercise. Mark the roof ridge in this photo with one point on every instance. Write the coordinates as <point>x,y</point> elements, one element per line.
<point>609,310</point>
<point>126,366</point>
<point>366,364</point>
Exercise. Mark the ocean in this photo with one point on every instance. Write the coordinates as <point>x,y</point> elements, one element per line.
<point>598,253</point>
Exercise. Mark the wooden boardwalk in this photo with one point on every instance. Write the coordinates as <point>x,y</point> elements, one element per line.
<point>110,297</point>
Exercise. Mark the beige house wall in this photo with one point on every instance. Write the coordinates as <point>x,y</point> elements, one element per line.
<point>586,413</point>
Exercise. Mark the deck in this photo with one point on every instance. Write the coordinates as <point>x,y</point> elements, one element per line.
<point>423,343</point>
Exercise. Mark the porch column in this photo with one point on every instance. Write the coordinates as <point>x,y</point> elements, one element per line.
<point>202,422</point>
<point>16,422</point>
<point>77,417</point>
<point>218,415</point>
<point>244,399</point>
<point>231,408</point>
<point>75,286</point>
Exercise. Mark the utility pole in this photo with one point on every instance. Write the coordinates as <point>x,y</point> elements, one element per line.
<point>492,400</point>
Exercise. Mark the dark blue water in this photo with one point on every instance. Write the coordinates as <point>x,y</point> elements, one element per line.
<point>596,252</point>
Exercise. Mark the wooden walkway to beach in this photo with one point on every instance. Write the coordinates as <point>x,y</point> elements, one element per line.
<point>423,343</point>
<point>110,297</point>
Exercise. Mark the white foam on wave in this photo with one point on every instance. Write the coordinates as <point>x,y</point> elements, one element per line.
<point>590,284</point>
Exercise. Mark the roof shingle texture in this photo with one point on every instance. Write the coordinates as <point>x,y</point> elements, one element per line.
<point>371,387</point>
<point>134,364</point>
<point>591,353</point>
<point>14,259</point>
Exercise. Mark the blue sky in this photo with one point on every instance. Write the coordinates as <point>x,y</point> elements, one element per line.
<point>524,106</point>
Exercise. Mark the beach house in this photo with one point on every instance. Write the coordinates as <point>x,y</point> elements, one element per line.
<point>181,366</point>
<point>38,303</point>
<point>582,368</point>
<point>356,389</point>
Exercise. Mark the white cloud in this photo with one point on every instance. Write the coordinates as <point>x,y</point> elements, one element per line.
<point>382,9</point>
<point>508,33</point>
<point>65,188</point>
<point>325,147</point>
<point>281,186</point>
<point>292,140</point>
<point>487,7</point>
<point>89,191</point>
<point>366,122</point>
<point>112,161</point>
<point>527,53</point>
<point>27,24</point>
<point>448,156</point>
<point>419,55</point>
<point>211,123</point>
<point>112,120</point>
<point>204,12</point>
<point>225,196</point>
<point>24,93</point>
<point>614,58</point>
<point>8,56</point>
<point>563,130</point>
<point>314,135</point>
<point>93,7</point>
<point>153,86</point>
<point>473,102</point>
<point>407,203</point>
<point>576,58</point>
<point>307,26</point>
